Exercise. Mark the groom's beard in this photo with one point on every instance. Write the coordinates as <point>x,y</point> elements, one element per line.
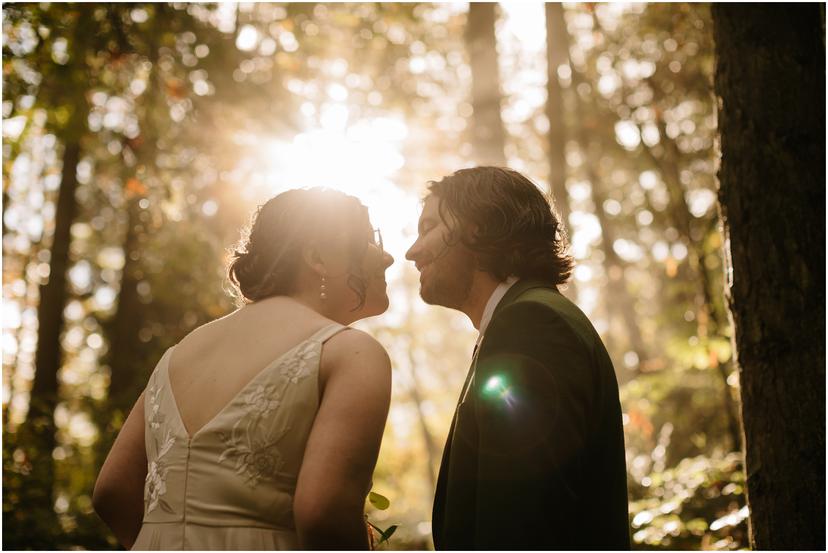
<point>450,279</point>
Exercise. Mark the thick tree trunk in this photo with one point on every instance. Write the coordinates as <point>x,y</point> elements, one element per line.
<point>488,136</point>
<point>771,80</point>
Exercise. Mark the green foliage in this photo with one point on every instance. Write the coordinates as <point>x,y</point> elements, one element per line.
<point>378,501</point>
<point>386,534</point>
<point>697,503</point>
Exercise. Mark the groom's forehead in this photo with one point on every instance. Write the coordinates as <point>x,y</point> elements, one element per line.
<point>432,215</point>
<point>431,207</point>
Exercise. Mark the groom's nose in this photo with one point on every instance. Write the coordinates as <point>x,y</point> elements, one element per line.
<point>414,251</point>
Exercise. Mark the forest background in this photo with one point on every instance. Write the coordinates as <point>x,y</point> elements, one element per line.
<point>138,139</point>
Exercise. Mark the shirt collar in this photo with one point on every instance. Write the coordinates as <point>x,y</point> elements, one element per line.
<point>494,299</point>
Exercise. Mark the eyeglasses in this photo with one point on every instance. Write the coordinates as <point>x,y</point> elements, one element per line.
<point>378,239</point>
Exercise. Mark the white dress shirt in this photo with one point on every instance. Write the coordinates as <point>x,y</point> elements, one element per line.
<point>488,311</point>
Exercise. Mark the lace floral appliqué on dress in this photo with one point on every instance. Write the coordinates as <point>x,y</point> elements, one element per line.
<point>157,476</point>
<point>249,443</point>
<point>156,485</point>
<point>298,366</point>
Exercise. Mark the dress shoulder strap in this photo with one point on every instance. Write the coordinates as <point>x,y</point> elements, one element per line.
<point>326,332</point>
<point>162,365</point>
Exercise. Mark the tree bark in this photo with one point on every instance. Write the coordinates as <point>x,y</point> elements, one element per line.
<point>488,136</point>
<point>770,77</point>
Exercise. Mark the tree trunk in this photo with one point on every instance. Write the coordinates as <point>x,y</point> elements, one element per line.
<point>557,54</point>
<point>707,317</point>
<point>770,77</point>
<point>488,136</point>
<point>618,300</point>
<point>5,205</point>
<point>127,321</point>
<point>38,432</point>
<point>125,357</point>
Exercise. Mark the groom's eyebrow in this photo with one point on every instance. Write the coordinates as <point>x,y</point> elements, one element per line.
<point>422,223</point>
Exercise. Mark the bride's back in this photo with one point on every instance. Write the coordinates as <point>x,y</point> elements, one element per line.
<point>212,364</point>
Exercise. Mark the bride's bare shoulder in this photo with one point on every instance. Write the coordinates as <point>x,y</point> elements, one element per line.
<point>352,341</point>
<point>353,349</point>
<point>204,331</point>
<point>355,371</point>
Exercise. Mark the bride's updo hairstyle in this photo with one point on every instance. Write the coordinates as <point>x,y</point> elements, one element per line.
<point>266,261</point>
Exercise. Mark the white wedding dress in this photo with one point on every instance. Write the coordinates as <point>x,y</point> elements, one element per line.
<point>231,484</point>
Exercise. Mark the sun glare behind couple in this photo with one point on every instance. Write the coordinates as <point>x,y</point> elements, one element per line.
<point>359,159</point>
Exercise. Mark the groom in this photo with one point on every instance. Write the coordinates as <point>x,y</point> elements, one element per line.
<point>535,455</point>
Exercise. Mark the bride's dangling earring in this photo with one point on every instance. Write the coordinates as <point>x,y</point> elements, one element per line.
<point>323,290</point>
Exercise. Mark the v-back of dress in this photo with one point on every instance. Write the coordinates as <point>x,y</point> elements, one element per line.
<point>230,485</point>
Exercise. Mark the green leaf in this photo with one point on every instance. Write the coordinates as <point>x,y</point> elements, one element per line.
<point>388,533</point>
<point>378,501</point>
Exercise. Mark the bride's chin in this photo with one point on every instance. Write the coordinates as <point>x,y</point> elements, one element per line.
<point>377,307</point>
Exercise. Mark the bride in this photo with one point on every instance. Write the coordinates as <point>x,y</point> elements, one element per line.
<point>260,430</point>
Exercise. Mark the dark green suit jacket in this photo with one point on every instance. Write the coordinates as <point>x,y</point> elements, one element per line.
<point>535,455</point>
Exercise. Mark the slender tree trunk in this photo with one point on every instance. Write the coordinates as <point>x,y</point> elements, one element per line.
<point>127,320</point>
<point>618,297</point>
<point>618,300</point>
<point>5,205</point>
<point>679,211</point>
<point>770,77</point>
<point>125,358</point>
<point>557,54</point>
<point>488,136</point>
<point>38,433</point>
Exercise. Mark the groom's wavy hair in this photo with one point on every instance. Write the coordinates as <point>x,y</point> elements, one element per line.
<point>266,260</point>
<point>506,221</point>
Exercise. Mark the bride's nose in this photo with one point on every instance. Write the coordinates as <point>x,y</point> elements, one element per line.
<point>387,260</point>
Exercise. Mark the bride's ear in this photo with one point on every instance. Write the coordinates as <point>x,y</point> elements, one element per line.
<point>312,257</point>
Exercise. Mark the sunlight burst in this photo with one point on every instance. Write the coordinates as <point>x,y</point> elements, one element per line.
<point>360,159</point>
